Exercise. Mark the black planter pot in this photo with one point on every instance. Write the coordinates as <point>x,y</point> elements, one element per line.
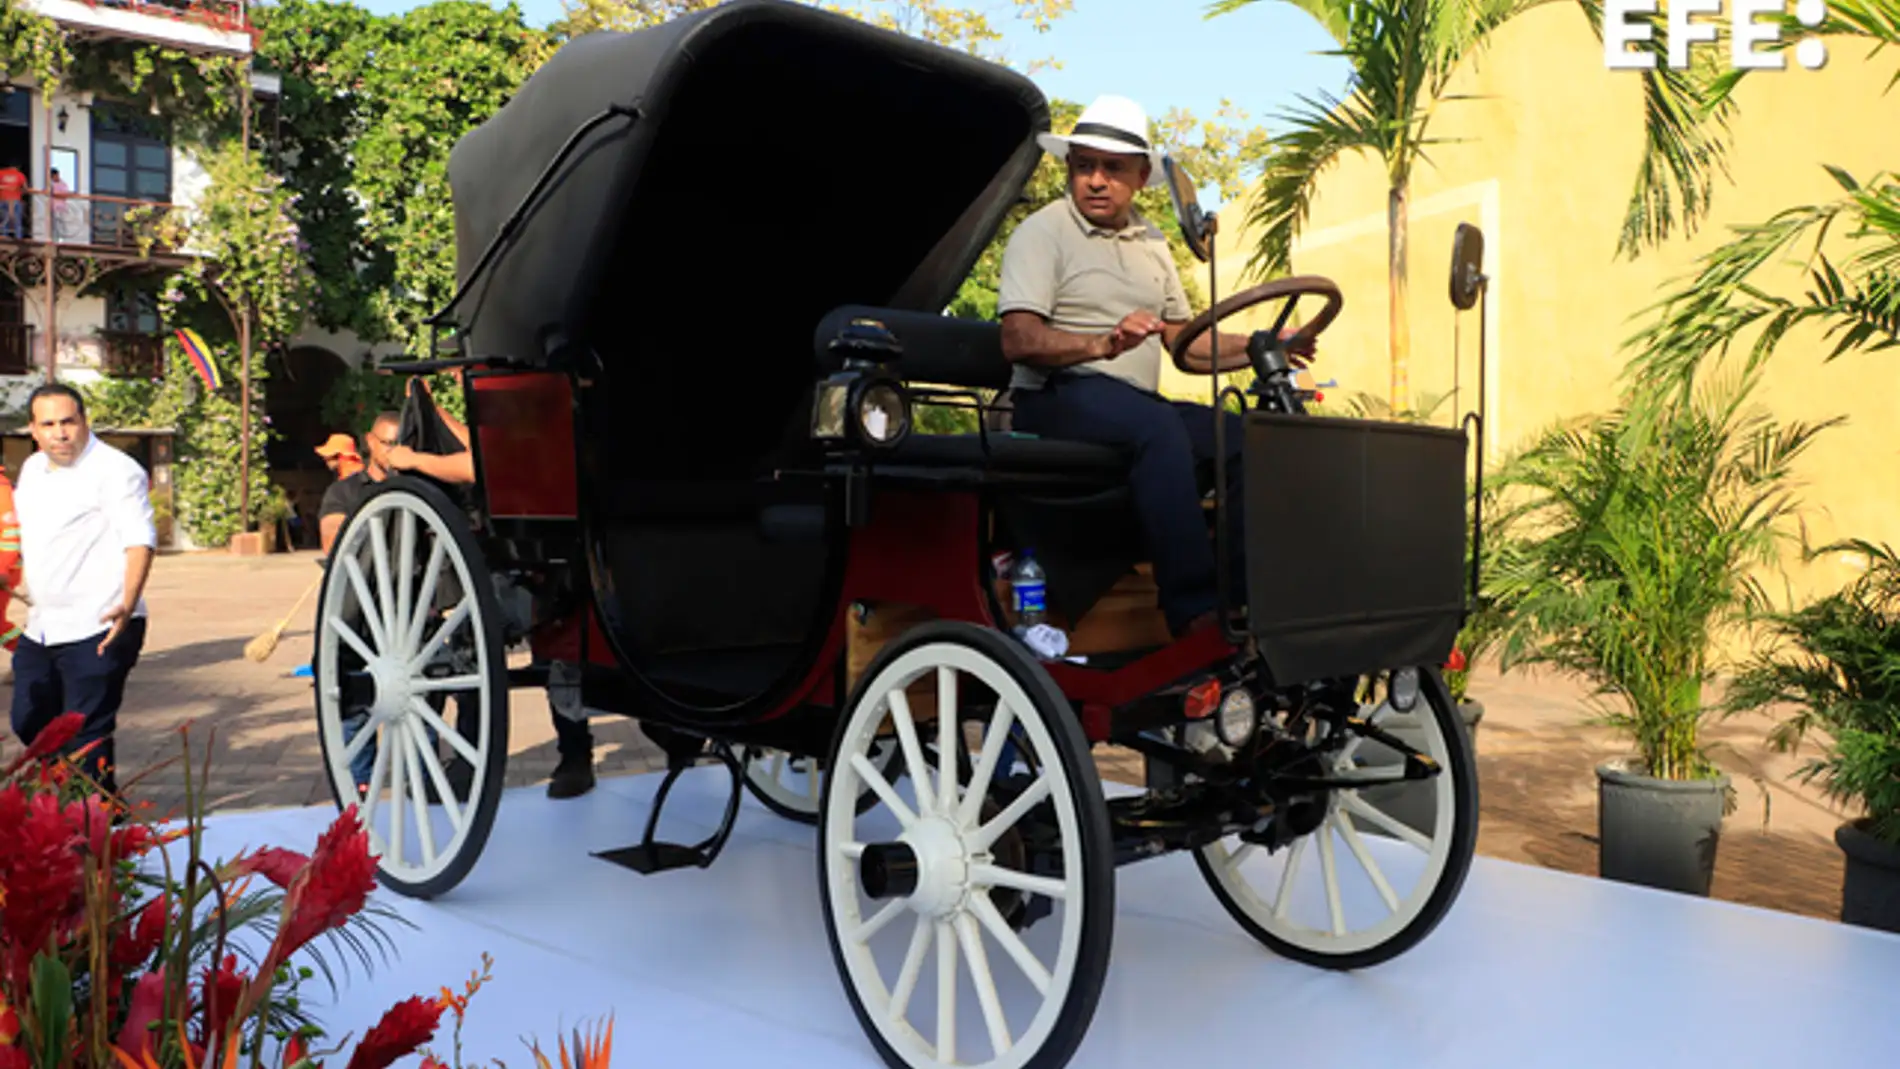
<point>1870,888</point>
<point>1657,832</point>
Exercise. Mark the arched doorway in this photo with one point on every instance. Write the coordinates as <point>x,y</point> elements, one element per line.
<point>299,380</point>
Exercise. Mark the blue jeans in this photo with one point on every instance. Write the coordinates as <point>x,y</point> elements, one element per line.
<point>75,677</point>
<point>12,218</point>
<point>1171,441</point>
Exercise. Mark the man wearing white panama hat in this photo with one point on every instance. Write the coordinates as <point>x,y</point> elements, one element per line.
<point>1089,295</point>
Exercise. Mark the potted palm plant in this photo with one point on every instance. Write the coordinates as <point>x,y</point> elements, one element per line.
<point>1628,543</point>
<point>1836,663</point>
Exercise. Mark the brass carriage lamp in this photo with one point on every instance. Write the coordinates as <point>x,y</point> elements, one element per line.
<point>863,400</point>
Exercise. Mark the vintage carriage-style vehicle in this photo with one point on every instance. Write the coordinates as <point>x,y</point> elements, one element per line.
<point>702,272</point>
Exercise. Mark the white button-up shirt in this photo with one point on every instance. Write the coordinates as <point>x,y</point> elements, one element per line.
<point>76,522</point>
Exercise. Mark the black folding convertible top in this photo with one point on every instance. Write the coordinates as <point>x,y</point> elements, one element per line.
<point>778,161</point>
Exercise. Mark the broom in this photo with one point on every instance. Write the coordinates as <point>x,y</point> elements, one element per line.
<point>260,648</point>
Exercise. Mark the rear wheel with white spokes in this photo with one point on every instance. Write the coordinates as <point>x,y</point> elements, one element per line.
<point>408,626</point>
<point>790,784</point>
<point>992,860</point>
<point>1359,885</point>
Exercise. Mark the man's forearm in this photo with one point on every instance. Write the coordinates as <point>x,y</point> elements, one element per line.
<point>138,565</point>
<point>458,468</point>
<point>1029,340</point>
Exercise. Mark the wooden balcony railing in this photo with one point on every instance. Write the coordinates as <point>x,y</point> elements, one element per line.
<point>130,355</point>
<point>88,220</point>
<point>16,348</point>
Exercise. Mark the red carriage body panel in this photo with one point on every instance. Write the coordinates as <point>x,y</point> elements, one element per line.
<point>525,426</point>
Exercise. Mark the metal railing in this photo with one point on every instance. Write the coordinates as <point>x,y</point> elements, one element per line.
<point>131,355</point>
<point>117,223</point>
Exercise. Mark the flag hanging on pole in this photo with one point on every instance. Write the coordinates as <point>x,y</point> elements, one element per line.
<point>200,355</point>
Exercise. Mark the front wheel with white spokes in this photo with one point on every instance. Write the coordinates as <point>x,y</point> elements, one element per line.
<point>408,625</point>
<point>1360,885</point>
<point>1003,875</point>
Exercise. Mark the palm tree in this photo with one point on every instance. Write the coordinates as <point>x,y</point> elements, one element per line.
<point>1856,300</point>
<point>1403,54</point>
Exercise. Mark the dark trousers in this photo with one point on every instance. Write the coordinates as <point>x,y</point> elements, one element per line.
<point>1173,447</point>
<point>573,738</point>
<point>74,677</point>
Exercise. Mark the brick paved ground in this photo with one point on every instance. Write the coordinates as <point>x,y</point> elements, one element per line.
<point>1536,754</point>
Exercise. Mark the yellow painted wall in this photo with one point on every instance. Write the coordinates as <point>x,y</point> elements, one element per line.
<point>1546,167</point>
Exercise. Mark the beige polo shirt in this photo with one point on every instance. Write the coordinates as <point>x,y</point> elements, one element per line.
<point>1085,279</point>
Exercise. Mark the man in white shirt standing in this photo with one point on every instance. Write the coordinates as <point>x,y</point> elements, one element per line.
<point>86,540</point>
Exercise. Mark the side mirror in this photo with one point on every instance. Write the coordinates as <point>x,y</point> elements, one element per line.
<point>1467,266</point>
<point>1195,228</point>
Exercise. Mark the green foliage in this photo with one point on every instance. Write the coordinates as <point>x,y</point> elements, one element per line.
<point>318,46</point>
<point>1837,662</point>
<point>374,104</point>
<point>1631,540</point>
<point>243,227</point>
<point>1404,54</point>
<point>967,29</point>
<point>207,430</point>
<point>197,97</point>
<point>1858,300</point>
<point>31,45</point>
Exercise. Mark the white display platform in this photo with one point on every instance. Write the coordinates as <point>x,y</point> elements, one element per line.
<point>729,966</point>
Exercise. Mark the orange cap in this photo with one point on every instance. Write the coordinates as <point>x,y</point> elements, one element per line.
<point>338,445</point>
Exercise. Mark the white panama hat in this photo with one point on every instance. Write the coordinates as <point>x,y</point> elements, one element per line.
<point>1110,124</point>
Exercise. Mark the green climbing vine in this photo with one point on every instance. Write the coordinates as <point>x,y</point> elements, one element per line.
<point>31,45</point>
<point>205,425</point>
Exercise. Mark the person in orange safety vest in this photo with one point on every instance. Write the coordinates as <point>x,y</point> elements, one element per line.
<point>9,562</point>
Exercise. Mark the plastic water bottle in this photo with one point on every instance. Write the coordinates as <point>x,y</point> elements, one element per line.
<point>1026,589</point>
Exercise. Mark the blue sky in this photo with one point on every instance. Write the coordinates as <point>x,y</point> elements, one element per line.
<point>1163,53</point>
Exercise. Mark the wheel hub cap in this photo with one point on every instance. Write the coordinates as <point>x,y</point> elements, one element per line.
<point>392,689</point>
<point>928,864</point>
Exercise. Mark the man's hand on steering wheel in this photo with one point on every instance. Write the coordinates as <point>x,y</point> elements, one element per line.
<point>1135,328</point>
<point>1301,352</point>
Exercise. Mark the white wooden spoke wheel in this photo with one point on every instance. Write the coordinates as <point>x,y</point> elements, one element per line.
<point>1363,886</point>
<point>408,629</point>
<point>925,893</point>
<point>789,784</point>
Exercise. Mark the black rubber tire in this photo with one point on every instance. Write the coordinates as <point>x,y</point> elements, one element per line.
<point>454,519</point>
<point>1463,770</point>
<point>1092,822</point>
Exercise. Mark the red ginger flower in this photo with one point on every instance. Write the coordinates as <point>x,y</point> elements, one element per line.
<point>279,866</point>
<point>41,871</point>
<point>1457,662</point>
<point>140,937</point>
<point>50,739</point>
<point>222,990</point>
<point>408,1025</point>
<point>332,887</point>
<point>147,1004</point>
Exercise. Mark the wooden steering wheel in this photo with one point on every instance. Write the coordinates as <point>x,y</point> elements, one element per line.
<point>1293,288</point>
